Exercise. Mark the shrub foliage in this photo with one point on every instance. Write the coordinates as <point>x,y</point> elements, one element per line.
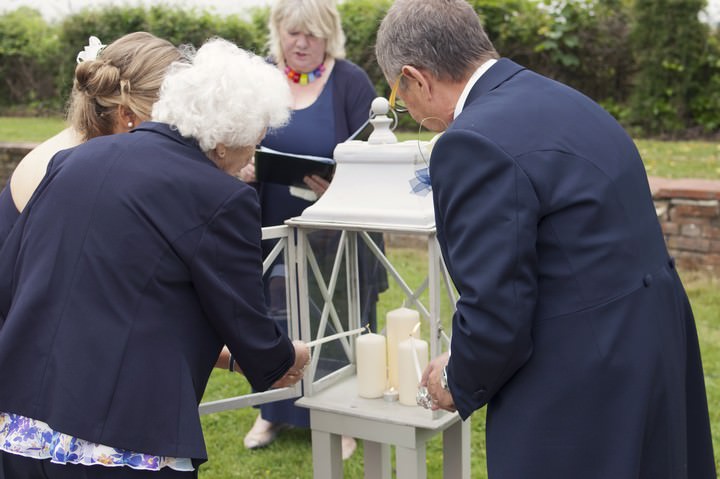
<point>651,63</point>
<point>668,40</point>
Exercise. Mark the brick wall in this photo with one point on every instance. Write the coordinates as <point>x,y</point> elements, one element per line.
<point>689,213</point>
<point>10,155</point>
<point>688,210</point>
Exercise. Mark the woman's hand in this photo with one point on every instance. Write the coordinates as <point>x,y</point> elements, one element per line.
<point>296,371</point>
<point>223,361</point>
<point>292,376</point>
<point>247,174</point>
<point>317,183</point>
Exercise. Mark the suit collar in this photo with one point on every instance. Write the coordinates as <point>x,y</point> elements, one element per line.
<point>499,73</point>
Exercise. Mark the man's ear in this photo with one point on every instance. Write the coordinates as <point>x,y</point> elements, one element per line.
<point>421,79</point>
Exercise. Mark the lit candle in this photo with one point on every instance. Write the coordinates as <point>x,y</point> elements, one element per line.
<point>371,365</point>
<point>412,360</point>
<point>391,395</point>
<point>399,325</point>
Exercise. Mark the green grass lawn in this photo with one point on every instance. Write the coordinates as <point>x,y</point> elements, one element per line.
<point>681,159</point>
<point>668,159</point>
<point>291,455</point>
<point>704,296</point>
<point>677,159</point>
<point>22,129</point>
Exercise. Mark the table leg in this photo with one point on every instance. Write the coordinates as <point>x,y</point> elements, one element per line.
<point>377,460</point>
<point>327,455</point>
<point>456,450</point>
<point>411,462</point>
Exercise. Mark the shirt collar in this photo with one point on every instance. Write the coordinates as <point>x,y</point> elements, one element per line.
<point>471,83</point>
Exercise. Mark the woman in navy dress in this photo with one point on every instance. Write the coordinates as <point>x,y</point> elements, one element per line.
<point>332,98</point>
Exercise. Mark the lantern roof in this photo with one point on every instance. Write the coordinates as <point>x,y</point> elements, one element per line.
<point>372,187</point>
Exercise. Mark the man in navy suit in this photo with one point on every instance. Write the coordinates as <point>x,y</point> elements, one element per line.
<point>572,324</point>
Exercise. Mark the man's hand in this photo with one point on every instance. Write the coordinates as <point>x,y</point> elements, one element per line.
<point>441,399</point>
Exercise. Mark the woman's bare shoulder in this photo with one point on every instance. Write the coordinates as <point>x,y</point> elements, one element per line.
<point>31,169</point>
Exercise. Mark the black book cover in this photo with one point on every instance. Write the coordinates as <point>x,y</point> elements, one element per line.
<point>289,169</point>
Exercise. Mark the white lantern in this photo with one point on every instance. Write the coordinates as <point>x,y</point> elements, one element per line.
<point>371,191</point>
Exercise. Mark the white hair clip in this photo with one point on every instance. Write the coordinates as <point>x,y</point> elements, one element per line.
<point>91,50</point>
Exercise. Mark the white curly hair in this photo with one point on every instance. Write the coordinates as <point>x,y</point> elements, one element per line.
<point>224,95</point>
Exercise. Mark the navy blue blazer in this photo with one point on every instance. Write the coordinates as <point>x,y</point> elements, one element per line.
<point>571,324</point>
<point>135,261</point>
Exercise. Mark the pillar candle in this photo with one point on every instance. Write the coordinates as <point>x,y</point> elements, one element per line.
<point>407,371</point>
<point>399,324</point>
<point>371,365</point>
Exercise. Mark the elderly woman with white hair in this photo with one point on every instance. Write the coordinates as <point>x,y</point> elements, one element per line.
<point>135,261</point>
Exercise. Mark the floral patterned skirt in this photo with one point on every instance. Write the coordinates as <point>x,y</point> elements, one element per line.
<point>32,438</point>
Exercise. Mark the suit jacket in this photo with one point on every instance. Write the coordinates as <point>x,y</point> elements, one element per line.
<point>571,324</point>
<point>135,261</point>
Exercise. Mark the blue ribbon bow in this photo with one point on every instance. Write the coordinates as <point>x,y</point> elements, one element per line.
<point>420,185</point>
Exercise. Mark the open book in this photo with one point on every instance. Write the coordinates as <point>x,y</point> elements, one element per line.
<point>289,169</point>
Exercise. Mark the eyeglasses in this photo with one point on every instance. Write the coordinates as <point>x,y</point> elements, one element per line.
<point>396,104</point>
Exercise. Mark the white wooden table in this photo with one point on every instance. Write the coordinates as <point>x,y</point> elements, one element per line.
<point>338,411</point>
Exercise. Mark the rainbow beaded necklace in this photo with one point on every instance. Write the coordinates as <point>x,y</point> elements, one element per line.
<point>304,78</point>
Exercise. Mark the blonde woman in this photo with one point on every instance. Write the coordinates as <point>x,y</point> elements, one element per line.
<point>331,99</point>
<point>114,89</point>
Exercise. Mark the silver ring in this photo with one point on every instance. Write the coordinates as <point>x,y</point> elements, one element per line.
<point>423,398</point>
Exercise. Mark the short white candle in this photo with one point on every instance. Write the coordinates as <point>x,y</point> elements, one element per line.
<point>399,325</point>
<point>409,379</point>
<point>371,365</point>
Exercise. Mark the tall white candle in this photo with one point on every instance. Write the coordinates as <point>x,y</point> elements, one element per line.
<point>407,369</point>
<point>399,325</point>
<point>371,365</point>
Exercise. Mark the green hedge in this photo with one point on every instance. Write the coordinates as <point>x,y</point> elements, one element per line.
<point>668,41</point>
<point>178,26</point>
<point>29,50</point>
<point>651,63</point>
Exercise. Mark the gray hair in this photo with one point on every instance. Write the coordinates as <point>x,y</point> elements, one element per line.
<point>444,37</point>
<point>319,18</point>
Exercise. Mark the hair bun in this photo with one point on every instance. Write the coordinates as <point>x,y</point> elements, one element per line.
<point>97,78</point>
